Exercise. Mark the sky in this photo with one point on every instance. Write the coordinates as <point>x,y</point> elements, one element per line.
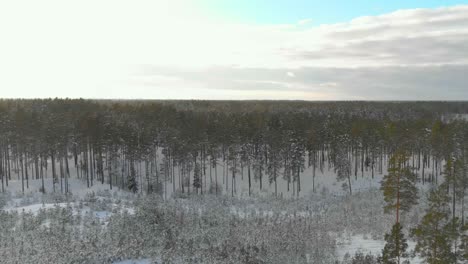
<point>226,49</point>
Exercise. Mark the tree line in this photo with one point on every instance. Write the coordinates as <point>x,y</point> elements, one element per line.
<point>442,234</point>
<point>153,146</point>
<point>150,146</point>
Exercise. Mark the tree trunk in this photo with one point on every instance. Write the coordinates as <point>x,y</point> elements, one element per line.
<point>216,175</point>
<point>22,173</point>
<point>26,169</point>
<point>61,175</point>
<point>313,177</point>
<point>349,184</point>
<point>298,181</point>
<point>42,176</point>
<point>53,171</point>
<point>276,185</point>
<point>250,181</point>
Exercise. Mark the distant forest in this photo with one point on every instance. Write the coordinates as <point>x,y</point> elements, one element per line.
<point>148,146</point>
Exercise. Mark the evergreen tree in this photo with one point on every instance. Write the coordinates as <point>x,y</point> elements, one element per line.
<point>342,162</point>
<point>343,169</point>
<point>132,180</point>
<point>454,184</point>
<point>464,243</point>
<point>197,176</point>
<point>395,246</point>
<point>399,185</point>
<point>400,193</point>
<point>433,240</point>
<point>361,258</point>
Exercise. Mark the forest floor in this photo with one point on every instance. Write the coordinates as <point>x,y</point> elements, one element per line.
<point>357,222</point>
<point>365,244</point>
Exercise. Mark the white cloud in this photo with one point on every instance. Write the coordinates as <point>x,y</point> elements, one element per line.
<point>170,49</point>
<point>304,21</point>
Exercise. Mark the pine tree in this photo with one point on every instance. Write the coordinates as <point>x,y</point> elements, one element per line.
<point>197,176</point>
<point>132,181</point>
<point>342,162</point>
<point>464,243</point>
<point>343,169</point>
<point>400,193</point>
<point>273,169</point>
<point>399,186</point>
<point>433,240</point>
<point>454,181</point>
<point>395,246</point>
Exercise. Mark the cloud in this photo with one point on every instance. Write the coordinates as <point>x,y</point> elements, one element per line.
<point>443,82</point>
<point>409,55</point>
<point>304,21</point>
<point>157,49</point>
<point>415,50</point>
<point>407,37</point>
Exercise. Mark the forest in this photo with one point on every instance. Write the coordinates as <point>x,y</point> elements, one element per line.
<point>233,181</point>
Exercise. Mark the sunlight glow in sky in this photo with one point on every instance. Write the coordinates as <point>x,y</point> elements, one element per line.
<point>210,49</point>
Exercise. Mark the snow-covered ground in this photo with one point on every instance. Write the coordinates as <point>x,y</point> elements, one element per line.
<point>102,203</point>
<point>324,181</point>
<point>134,261</point>
<point>365,244</point>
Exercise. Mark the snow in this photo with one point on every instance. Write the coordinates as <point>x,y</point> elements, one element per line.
<point>365,245</point>
<point>324,181</point>
<point>359,243</point>
<point>35,208</point>
<point>133,261</point>
<point>102,203</point>
<point>77,187</point>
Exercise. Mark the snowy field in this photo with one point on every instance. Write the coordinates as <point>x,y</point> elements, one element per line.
<point>365,244</point>
<point>140,261</point>
<point>359,216</point>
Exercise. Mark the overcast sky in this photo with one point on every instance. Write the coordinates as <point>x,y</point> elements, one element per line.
<point>339,50</point>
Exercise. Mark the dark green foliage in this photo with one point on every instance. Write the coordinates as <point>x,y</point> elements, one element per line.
<point>464,243</point>
<point>361,258</point>
<point>433,234</point>
<point>395,246</point>
<point>399,185</point>
<point>342,162</point>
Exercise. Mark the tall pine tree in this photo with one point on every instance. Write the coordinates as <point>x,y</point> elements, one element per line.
<point>400,194</point>
<point>395,246</point>
<point>399,185</point>
<point>433,240</point>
